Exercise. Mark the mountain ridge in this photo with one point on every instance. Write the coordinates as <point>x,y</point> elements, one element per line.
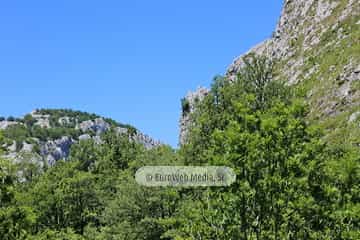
<point>48,134</point>
<point>315,47</point>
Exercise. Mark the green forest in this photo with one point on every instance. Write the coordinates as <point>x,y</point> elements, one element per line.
<point>291,182</point>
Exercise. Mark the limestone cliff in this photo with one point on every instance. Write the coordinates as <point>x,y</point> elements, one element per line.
<point>316,48</point>
<point>48,134</point>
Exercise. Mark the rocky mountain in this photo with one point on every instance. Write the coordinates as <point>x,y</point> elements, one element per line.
<point>315,48</point>
<point>46,135</point>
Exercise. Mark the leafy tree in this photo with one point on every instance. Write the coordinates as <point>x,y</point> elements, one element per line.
<point>283,188</point>
<point>18,133</point>
<point>64,197</point>
<point>185,105</point>
<point>66,234</point>
<point>16,221</point>
<point>11,119</point>
<point>86,153</point>
<point>29,120</point>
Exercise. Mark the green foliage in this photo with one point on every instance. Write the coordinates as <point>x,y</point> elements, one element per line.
<point>29,120</point>
<point>11,119</point>
<point>185,106</point>
<point>86,153</point>
<point>290,183</point>
<point>55,114</point>
<point>17,132</point>
<point>66,234</point>
<point>15,221</point>
<point>65,197</point>
<point>285,187</point>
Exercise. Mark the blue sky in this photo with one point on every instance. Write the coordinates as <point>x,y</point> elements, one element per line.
<point>129,60</point>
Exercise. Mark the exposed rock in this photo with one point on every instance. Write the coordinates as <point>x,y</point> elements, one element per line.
<point>145,140</point>
<point>139,137</point>
<point>27,147</point>
<point>12,147</point>
<point>324,9</point>
<point>84,137</point>
<point>4,124</point>
<point>97,139</point>
<point>120,130</point>
<point>260,49</point>
<point>64,120</point>
<point>300,28</point>
<point>354,116</point>
<point>345,80</point>
<point>57,149</point>
<point>50,160</point>
<point>99,126</point>
<point>42,120</point>
<point>352,8</point>
<point>11,155</point>
<point>51,151</point>
<point>306,29</point>
<point>185,120</point>
<point>28,158</point>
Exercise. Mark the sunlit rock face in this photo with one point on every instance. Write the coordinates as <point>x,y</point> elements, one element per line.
<point>49,150</point>
<point>190,101</point>
<point>314,45</point>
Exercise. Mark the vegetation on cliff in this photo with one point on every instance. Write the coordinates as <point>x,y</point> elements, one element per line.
<point>290,183</point>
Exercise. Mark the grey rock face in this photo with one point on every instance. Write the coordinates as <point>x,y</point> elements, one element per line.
<point>96,139</point>
<point>185,120</point>
<point>64,121</point>
<point>354,116</point>
<point>145,140</point>
<point>4,124</point>
<point>260,49</point>
<point>28,158</point>
<point>345,80</point>
<point>120,130</point>
<point>57,149</point>
<point>42,120</point>
<point>290,27</point>
<point>27,147</point>
<point>302,25</point>
<point>84,137</point>
<point>99,126</point>
<point>51,151</point>
<point>141,138</point>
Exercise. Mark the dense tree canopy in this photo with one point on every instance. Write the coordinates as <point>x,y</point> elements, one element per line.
<point>290,183</point>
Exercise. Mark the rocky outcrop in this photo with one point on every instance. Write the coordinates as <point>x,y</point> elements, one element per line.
<point>354,116</point>
<point>84,137</point>
<point>121,130</point>
<point>64,121</point>
<point>98,125</point>
<point>139,137</point>
<point>146,140</point>
<point>300,27</point>
<point>306,29</point>
<point>4,124</point>
<point>57,149</point>
<point>42,120</point>
<point>313,46</point>
<point>52,150</point>
<point>189,104</point>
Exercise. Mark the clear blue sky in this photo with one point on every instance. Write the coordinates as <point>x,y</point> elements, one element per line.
<point>129,60</point>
